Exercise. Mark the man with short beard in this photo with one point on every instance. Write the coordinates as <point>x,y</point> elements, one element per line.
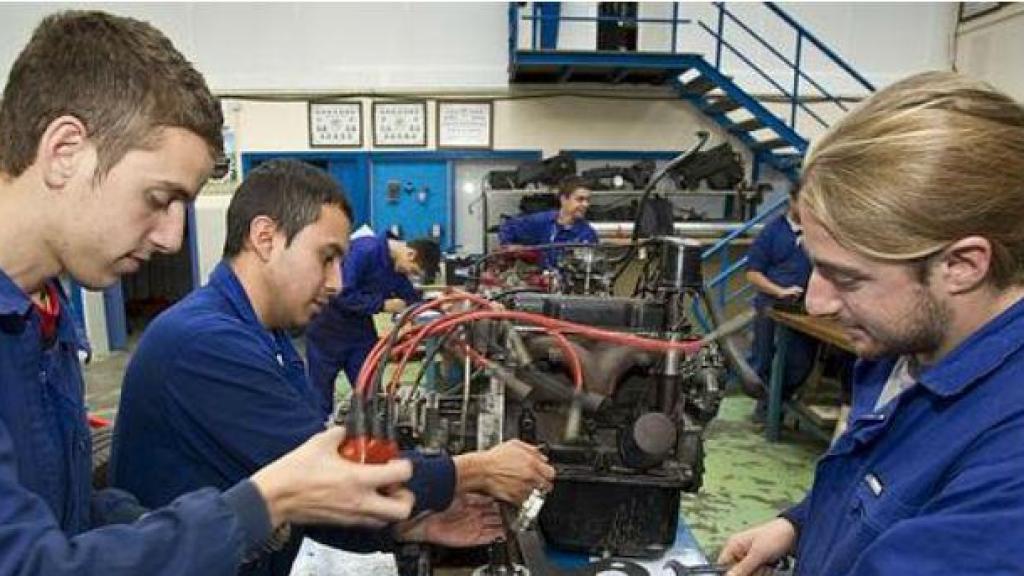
<point>912,208</point>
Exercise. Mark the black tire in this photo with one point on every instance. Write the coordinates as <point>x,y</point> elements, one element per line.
<point>102,440</point>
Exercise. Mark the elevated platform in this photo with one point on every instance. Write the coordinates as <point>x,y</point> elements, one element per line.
<point>607,67</point>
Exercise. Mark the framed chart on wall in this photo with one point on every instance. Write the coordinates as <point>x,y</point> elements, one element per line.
<point>336,124</point>
<point>465,124</point>
<point>400,124</point>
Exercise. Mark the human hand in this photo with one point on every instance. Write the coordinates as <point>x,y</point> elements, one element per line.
<point>313,484</point>
<point>508,471</point>
<point>790,293</point>
<point>471,520</point>
<point>755,551</point>
<point>394,305</point>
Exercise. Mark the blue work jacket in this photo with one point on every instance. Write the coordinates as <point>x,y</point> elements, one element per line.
<point>933,482</point>
<point>543,228</point>
<point>211,396</point>
<point>46,502</point>
<point>776,254</point>
<point>368,279</point>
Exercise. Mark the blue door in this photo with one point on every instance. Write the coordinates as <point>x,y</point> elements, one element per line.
<point>410,196</point>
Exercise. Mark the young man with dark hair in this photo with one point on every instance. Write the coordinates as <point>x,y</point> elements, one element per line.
<point>216,389</point>
<point>375,278</point>
<point>106,133</point>
<point>567,225</point>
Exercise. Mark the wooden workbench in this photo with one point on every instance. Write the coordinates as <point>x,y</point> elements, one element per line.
<point>822,329</point>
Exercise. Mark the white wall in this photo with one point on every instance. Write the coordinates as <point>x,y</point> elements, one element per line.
<point>245,46</point>
<point>211,210</point>
<point>385,48</point>
<point>991,48</point>
<point>313,46</point>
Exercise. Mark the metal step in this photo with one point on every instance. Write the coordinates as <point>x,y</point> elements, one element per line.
<point>771,144</point>
<point>698,86</point>
<point>746,126</point>
<point>722,106</point>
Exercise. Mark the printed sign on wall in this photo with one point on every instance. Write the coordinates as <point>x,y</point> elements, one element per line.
<point>336,124</point>
<point>465,124</point>
<point>399,124</point>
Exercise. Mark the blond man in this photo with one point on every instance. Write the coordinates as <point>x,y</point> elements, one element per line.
<point>912,208</point>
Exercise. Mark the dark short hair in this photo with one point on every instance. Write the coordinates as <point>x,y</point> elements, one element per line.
<point>428,256</point>
<point>570,184</point>
<point>292,193</point>
<point>121,77</point>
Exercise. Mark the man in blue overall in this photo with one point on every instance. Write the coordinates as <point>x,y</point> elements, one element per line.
<point>911,208</point>
<point>778,268</point>
<point>375,278</point>
<point>106,134</point>
<point>567,225</point>
<point>216,389</point>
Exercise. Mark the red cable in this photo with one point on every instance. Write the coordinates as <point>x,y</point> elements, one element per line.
<point>552,326</point>
<point>373,358</point>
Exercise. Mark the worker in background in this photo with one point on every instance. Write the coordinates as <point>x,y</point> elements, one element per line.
<point>216,389</point>
<point>911,207</point>
<point>778,268</point>
<point>106,134</point>
<point>375,278</point>
<point>567,225</point>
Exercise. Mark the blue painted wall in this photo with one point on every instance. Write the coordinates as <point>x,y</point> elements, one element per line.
<point>421,202</point>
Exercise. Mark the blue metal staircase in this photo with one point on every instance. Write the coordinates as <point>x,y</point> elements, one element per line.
<point>706,80</point>
<point>699,78</point>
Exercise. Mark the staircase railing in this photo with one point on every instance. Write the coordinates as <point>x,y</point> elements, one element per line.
<point>719,284</point>
<point>793,97</point>
<point>539,19</point>
<point>728,32</point>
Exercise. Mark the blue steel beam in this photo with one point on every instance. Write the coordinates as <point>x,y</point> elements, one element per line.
<point>665,61</point>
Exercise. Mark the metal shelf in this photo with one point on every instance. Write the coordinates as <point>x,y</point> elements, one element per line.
<point>673,192</point>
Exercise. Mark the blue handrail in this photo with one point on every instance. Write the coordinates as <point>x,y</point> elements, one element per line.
<point>728,238</point>
<point>514,17</point>
<point>725,274</point>
<point>513,32</point>
<point>630,19</point>
<point>820,45</point>
<point>799,73</point>
<point>794,64</point>
<point>763,74</point>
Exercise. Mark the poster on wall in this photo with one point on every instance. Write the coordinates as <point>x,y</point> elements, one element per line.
<point>399,124</point>
<point>463,124</point>
<point>336,124</point>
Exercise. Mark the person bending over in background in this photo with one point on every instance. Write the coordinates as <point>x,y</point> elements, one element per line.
<point>216,389</point>
<point>106,134</point>
<point>375,278</point>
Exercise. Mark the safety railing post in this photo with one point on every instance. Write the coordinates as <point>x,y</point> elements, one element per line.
<point>534,27</point>
<point>796,79</point>
<point>675,24</point>
<point>718,45</point>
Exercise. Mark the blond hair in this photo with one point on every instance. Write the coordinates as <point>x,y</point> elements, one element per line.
<point>920,164</point>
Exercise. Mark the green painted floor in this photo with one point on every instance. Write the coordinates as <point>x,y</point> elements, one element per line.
<point>747,480</point>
